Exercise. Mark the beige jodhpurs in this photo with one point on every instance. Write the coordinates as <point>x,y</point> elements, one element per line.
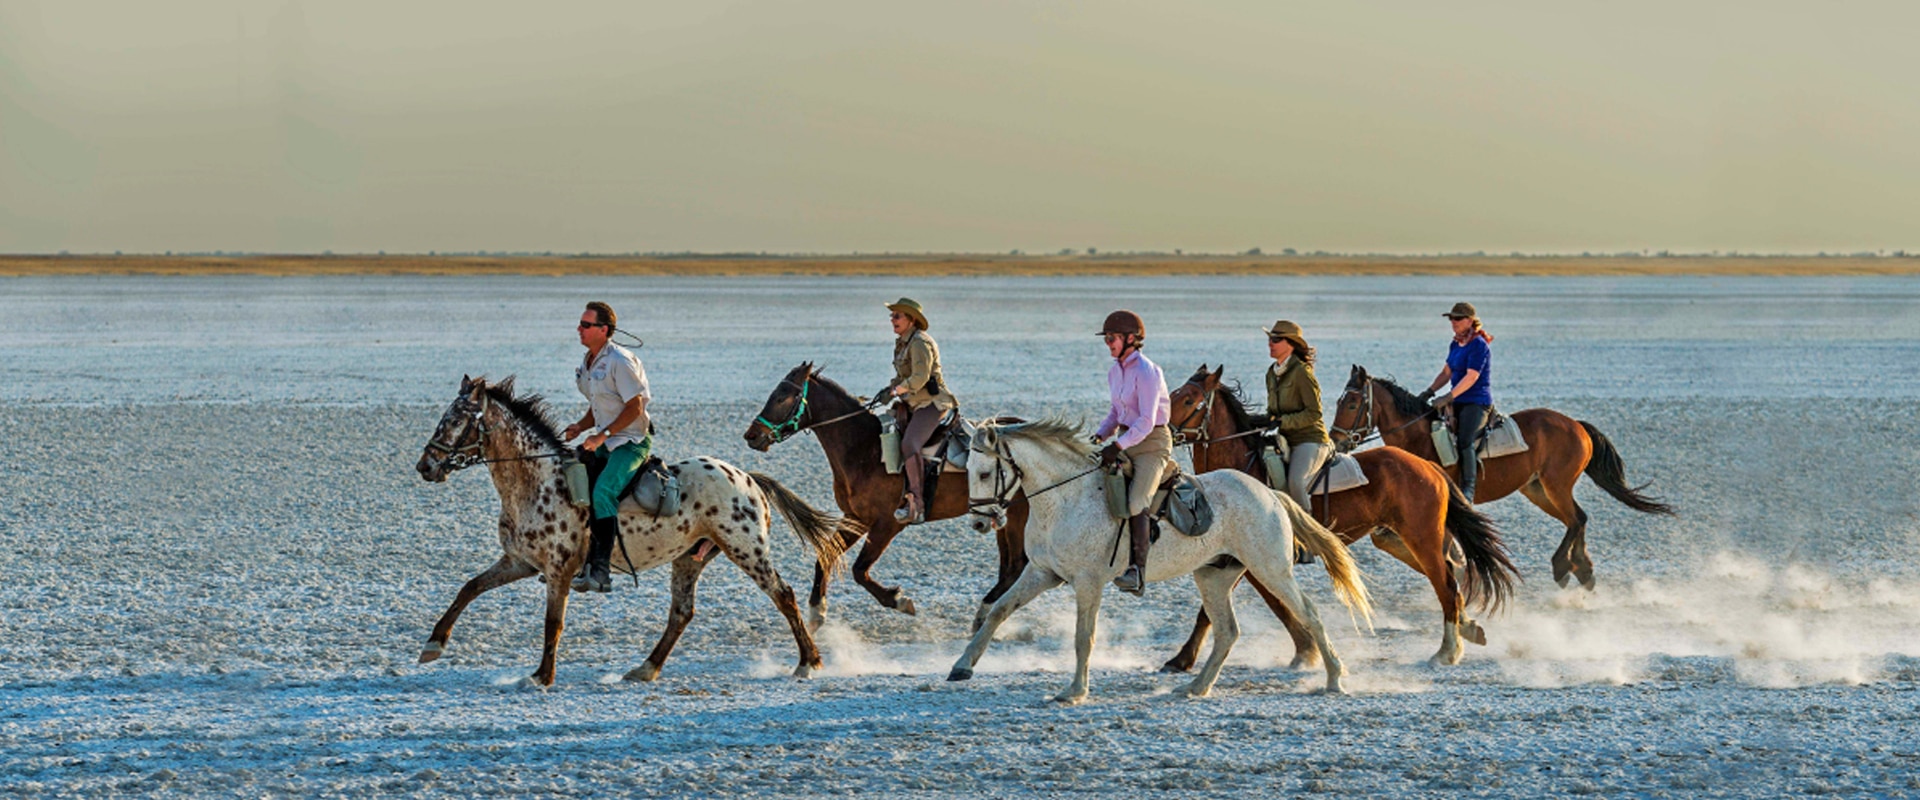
<point>1303,463</point>
<point>1152,461</point>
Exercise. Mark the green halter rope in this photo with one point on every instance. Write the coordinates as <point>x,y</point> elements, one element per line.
<point>792,425</point>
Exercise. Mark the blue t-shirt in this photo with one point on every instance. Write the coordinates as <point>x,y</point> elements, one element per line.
<point>1476,355</point>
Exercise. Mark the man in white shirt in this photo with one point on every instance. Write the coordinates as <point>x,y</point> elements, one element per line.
<point>615,385</point>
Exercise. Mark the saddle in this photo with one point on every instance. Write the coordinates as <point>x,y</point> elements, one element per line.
<point>653,488</point>
<point>1340,473</point>
<point>1500,437</point>
<point>947,448</point>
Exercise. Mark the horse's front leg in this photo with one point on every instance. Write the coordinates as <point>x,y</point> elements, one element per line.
<point>1033,581</point>
<point>558,586</point>
<point>505,571</point>
<point>1086,592</point>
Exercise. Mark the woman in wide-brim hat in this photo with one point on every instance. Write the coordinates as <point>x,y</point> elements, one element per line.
<point>921,400</point>
<point>1293,408</point>
<point>1470,388</point>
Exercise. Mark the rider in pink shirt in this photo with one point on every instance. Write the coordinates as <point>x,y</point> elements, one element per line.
<point>1139,415</point>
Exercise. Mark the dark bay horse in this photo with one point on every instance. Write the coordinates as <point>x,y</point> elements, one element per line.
<point>1559,449</point>
<point>804,400</point>
<point>1408,509</point>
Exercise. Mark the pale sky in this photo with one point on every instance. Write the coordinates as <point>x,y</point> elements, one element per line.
<point>830,126</point>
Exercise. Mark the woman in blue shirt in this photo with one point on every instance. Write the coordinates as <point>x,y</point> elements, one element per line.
<point>1468,360</point>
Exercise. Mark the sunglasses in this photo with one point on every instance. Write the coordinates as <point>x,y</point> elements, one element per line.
<point>1113,336</point>
<point>896,315</point>
<point>1276,339</point>
<point>585,325</point>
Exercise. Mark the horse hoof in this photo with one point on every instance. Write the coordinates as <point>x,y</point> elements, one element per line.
<point>1175,668</point>
<point>645,673</point>
<point>1444,660</point>
<point>1587,581</point>
<point>1198,692</point>
<point>803,672</point>
<point>1561,578</point>
<point>532,682</point>
<point>1069,699</point>
<point>1472,632</point>
<point>1304,663</point>
<point>432,652</point>
<point>1334,687</point>
<point>960,674</point>
<point>905,606</point>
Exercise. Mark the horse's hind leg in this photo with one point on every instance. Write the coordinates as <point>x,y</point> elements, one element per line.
<point>1433,564</point>
<point>505,571</point>
<point>1558,503</point>
<point>686,575</point>
<point>1305,654</point>
<point>1216,599</point>
<point>1279,578</point>
<point>1086,622</point>
<point>752,559</point>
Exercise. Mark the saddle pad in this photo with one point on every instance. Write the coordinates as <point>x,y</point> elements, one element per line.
<point>1503,439</point>
<point>1341,473</point>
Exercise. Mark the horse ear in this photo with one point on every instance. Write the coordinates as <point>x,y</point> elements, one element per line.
<point>1220,371</point>
<point>506,385</point>
<point>476,388</point>
<point>466,382</point>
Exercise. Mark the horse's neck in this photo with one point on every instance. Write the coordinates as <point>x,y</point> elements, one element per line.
<point>1042,466</point>
<point>1396,430</point>
<point>1229,454</point>
<point>852,445</point>
<point>520,483</point>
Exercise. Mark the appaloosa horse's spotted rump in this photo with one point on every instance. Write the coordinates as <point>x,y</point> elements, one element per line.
<point>542,534</point>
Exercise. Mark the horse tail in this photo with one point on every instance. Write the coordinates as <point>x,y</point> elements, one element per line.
<point>1610,474</point>
<point>1490,572</point>
<point>1327,547</point>
<point>827,534</point>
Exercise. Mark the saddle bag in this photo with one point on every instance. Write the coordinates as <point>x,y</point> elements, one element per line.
<point>1276,463</point>
<point>890,444</point>
<point>656,489</point>
<point>1116,485</point>
<point>1187,506</point>
<point>1443,442</point>
<point>579,484</point>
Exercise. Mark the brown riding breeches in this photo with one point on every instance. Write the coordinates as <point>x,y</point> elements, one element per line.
<point>920,426</point>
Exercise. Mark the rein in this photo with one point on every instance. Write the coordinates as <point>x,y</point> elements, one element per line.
<point>473,453</point>
<point>793,426</point>
<point>1368,430</point>
<point>1197,434</point>
<point>1003,487</point>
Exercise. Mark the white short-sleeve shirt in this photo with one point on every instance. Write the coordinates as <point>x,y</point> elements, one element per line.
<point>614,377</point>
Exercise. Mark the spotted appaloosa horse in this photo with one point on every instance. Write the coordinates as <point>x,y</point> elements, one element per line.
<point>543,534</point>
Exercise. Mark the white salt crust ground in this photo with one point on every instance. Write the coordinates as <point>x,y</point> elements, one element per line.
<point>229,599</point>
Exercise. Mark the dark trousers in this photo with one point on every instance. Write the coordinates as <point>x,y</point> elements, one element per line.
<point>921,423</point>
<point>1469,419</point>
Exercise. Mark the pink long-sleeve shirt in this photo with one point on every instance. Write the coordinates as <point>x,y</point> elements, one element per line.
<point>1139,400</point>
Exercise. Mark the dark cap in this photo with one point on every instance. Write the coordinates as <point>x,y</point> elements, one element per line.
<point>1124,321</point>
<point>1462,311</point>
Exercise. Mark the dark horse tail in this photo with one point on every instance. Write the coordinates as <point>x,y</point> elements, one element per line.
<point>1490,573</point>
<point>827,534</point>
<point>1610,474</point>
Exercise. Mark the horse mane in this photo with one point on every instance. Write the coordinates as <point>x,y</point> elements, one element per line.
<point>529,409</point>
<point>1052,431</point>
<point>1404,401</point>
<point>1236,407</point>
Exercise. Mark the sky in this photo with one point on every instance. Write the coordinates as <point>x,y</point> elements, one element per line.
<point>980,126</point>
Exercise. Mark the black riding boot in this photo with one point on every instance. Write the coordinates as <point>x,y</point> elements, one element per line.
<point>594,575</point>
<point>1134,580</point>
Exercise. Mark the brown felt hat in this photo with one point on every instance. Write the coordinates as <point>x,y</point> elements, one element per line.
<point>1462,311</point>
<point>1289,330</point>
<point>910,308</point>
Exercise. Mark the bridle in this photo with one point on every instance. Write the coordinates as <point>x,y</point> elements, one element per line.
<point>1197,433</point>
<point>1368,429</point>
<point>793,425</point>
<point>1006,482</point>
<point>459,456</point>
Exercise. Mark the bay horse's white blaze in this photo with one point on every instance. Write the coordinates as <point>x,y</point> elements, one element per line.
<point>1070,539</point>
<point>543,534</point>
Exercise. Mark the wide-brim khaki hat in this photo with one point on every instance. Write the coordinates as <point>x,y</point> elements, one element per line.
<point>1462,311</point>
<point>911,308</point>
<point>1288,330</point>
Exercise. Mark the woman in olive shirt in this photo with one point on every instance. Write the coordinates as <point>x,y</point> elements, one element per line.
<point>918,386</point>
<point>1293,408</point>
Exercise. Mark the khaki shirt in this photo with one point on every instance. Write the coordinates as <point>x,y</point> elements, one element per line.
<point>608,382</point>
<point>1293,403</point>
<point>916,365</point>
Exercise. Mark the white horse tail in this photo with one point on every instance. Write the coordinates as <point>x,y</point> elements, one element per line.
<point>1327,547</point>
<point>826,533</point>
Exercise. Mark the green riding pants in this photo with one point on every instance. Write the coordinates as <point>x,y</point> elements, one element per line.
<point>622,463</point>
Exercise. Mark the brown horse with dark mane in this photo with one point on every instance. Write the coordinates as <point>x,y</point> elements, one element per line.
<point>1408,508</point>
<point>806,401</point>
<point>1559,449</point>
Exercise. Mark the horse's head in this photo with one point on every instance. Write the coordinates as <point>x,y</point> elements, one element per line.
<point>1190,406</point>
<point>461,435</point>
<point>1353,413</point>
<point>991,481</point>
<point>786,406</point>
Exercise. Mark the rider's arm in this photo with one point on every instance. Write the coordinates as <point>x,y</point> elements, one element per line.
<point>1466,382</point>
<point>586,421</point>
<point>628,413</point>
<point>1446,373</point>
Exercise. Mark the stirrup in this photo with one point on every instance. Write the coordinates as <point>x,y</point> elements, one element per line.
<point>1133,581</point>
<point>593,578</point>
<point>913,513</point>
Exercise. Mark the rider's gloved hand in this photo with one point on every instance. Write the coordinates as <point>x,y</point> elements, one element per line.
<point>1110,455</point>
<point>1426,396</point>
<point>1441,401</point>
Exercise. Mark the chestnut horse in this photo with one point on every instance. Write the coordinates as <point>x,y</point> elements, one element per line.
<point>805,400</point>
<point>1408,509</point>
<point>1559,449</point>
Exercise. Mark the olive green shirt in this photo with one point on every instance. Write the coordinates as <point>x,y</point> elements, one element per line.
<point>1293,403</point>
<point>916,365</point>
